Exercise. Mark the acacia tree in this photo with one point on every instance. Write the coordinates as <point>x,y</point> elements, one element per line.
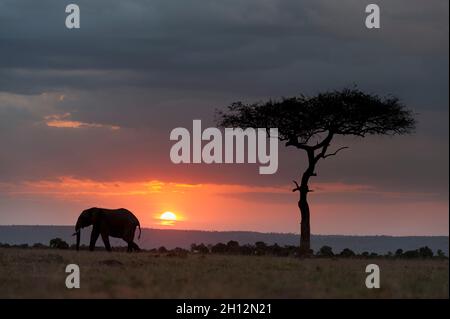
<point>311,123</point>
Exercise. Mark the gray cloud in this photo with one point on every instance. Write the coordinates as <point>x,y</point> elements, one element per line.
<point>265,47</point>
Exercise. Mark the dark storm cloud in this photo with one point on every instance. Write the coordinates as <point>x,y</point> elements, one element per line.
<point>270,47</point>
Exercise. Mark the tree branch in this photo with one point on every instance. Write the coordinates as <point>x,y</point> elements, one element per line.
<point>325,142</point>
<point>298,145</point>
<point>334,153</point>
<point>297,187</point>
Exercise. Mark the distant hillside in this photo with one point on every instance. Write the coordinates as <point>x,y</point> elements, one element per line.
<point>154,238</point>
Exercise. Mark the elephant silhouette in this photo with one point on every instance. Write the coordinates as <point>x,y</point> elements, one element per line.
<point>118,223</point>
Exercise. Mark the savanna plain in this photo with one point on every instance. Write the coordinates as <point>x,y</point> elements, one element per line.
<point>40,273</point>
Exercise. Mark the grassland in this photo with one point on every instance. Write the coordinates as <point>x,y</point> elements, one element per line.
<point>40,273</point>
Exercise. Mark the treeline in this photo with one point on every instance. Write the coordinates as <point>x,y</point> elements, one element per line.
<point>55,243</point>
<point>261,248</point>
<point>258,249</point>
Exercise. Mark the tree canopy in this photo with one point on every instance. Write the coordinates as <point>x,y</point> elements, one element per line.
<point>303,120</point>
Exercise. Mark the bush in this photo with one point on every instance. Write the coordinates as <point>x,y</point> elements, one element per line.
<point>247,250</point>
<point>202,249</point>
<point>162,250</point>
<point>347,253</point>
<point>440,254</point>
<point>233,247</point>
<point>58,243</point>
<point>326,251</point>
<point>292,250</point>
<point>425,252</point>
<point>277,250</point>
<point>219,248</point>
<point>411,254</point>
<point>260,248</point>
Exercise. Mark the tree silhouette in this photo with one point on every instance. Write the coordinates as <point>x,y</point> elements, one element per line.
<point>311,123</point>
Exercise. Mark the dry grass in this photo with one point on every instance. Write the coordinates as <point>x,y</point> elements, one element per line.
<point>34,273</point>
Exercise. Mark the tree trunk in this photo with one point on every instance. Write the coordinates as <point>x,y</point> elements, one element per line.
<point>303,189</point>
<point>305,227</point>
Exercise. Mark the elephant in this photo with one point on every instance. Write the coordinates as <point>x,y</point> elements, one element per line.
<point>119,223</point>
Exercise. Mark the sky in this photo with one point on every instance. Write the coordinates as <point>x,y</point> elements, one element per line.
<point>86,114</point>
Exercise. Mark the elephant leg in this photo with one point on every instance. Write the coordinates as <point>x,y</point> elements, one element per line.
<point>105,238</point>
<point>135,246</point>
<point>128,237</point>
<point>94,237</point>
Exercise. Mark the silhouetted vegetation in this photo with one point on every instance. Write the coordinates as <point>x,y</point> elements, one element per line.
<point>58,243</point>
<point>258,249</point>
<point>347,253</point>
<point>262,249</point>
<point>326,251</point>
<point>202,249</point>
<point>440,254</point>
<point>162,249</point>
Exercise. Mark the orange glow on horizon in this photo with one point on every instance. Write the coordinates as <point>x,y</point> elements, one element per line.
<point>212,206</point>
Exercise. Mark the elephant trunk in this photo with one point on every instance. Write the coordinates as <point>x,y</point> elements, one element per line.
<point>78,239</point>
<point>78,233</point>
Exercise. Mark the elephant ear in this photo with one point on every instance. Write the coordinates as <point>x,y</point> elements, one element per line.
<point>95,215</point>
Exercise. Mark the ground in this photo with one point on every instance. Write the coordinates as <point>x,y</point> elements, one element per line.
<point>40,273</point>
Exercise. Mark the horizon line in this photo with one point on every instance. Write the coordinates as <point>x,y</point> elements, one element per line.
<point>240,231</point>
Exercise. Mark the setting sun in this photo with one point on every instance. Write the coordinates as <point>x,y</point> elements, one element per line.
<point>168,218</point>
